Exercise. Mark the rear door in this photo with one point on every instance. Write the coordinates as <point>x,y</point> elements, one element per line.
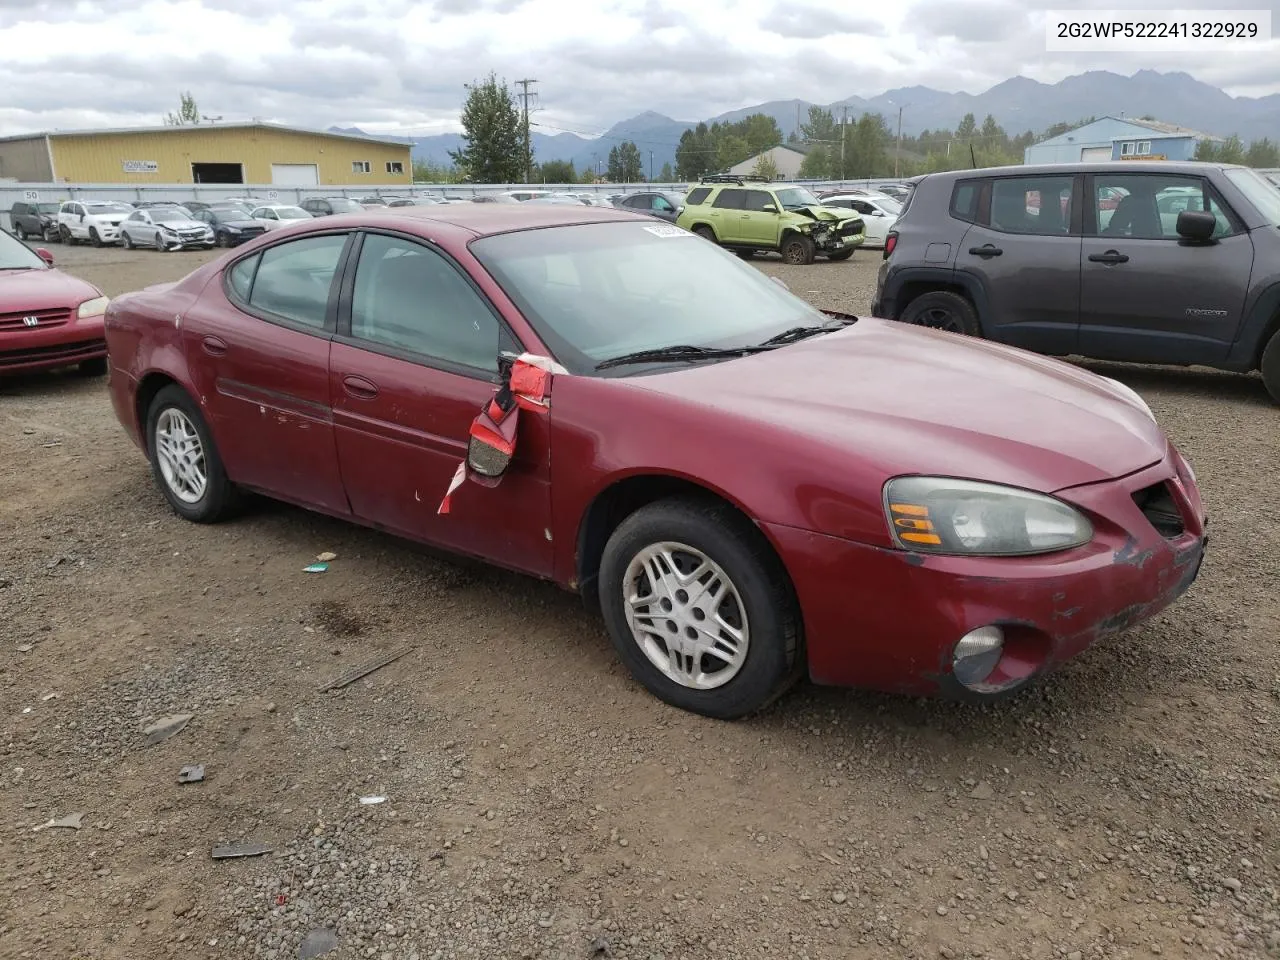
<point>726,214</point>
<point>260,362</point>
<point>1023,254</point>
<point>1146,295</point>
<point>414,362</point>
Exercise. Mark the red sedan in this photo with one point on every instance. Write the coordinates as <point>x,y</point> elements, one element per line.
<point>47,318</point>
<point>748,488</point>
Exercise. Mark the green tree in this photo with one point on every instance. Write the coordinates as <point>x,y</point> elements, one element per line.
<point>630,168</point>
<point>1263,153</point>
<point>557,171</point>
<point>696,153</point>
<point>1230,150</point>
<point>821,126</point>
<point>731,149</point>
<point>866,148</point>
<point>765,167</point>
<point>968,128</point>
<point>760,131</point>
<point>424,171</point>
<point>493,135</point>
<point>991,131</point>
<point>667,175</point>
<point>188,112</point>
<point>816,164</point>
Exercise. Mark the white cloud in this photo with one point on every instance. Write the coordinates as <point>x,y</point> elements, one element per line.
<point>400,65</point>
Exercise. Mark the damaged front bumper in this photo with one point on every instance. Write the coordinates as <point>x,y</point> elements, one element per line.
<point>889,620</point>
<point>831,233</point>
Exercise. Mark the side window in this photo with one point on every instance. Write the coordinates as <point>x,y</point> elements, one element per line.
<point>862,207</point>
<point>294,278</point>
<point>662,203</point>
<point>240,277</point>
<point>1146,206</point>
<point>1036,205</point>
<point>964,200</point>
<point>409,297</point>
<point>757,200</point>
<point>697,195</point>
<point>730,199</point>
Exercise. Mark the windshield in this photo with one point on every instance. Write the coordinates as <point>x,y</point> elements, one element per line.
<point>1263,195</point>
<point>888,205</point>
<point>601,290</point>
<point>169,213</point>
<point>48,207</point>
<point>16,255</point>
<point>793,198</point>
<point>342,205</point>
<point>292,213</point>
<point>100,207</point>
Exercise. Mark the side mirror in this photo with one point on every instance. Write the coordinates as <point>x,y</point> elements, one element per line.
<point>877,213</point>
<point>488,457</point>
<point>769,208</point>
<point>82,218</point>
<point>44,255</point>
<point>1196,225</point>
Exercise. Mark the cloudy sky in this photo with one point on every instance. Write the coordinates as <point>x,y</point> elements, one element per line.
<point>398,66</point>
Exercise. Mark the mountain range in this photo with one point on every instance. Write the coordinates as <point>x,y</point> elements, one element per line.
<point>1018,104</point>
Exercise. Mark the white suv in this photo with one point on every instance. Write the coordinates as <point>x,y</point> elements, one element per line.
<point>97,221</point>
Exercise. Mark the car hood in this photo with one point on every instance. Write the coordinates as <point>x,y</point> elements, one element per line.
<point>819,212</point>
<point>42,290</point>
<point>178,223</point>
<point>240,223</point>
<point>109,217</point>
<point>898,399</point>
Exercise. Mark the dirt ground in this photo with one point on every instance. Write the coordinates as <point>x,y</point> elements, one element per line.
<point>538,802</point>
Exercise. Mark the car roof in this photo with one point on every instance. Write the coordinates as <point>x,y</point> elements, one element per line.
<point>487,219</point>
<point>1101,166</point>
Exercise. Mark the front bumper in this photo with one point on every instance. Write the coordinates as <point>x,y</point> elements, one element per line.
<point>62,345</point>
<point>887,619</point>
<point>202,241</point>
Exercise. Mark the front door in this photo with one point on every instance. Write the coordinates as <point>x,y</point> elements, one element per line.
<point>1024,253</point>
<point>1147,296</point>
<point>414,364</point>
<point>260,366</point>
<point>759,225</point>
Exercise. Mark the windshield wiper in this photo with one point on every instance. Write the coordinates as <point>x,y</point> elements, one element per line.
<point>683,351</point>
<point>801,333</point>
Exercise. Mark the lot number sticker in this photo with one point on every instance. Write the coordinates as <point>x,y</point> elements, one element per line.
<point>665,230</point>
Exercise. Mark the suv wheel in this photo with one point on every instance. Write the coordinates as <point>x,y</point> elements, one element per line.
<point>20,233</point>
<point>51,234</point>
<point>1271,366</point>
<point>798,250</point>
<point>705,232</point>
<point>94,238</point>
<point>65,233</point>
<point>943,310</point>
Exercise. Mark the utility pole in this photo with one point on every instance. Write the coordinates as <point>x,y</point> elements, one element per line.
<point>651,166</point>
<point>528,146</point>
<point>898,155</point>
<point>844,119</point>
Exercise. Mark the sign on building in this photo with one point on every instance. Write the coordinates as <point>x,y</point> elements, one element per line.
<point>140,166</point>
<point>1145,156</point>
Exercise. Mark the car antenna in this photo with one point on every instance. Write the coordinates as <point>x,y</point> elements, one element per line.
<point>973,157</point>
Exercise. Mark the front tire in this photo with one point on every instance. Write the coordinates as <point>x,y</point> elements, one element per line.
<point>943,310</point>
<point>51,234</point>
<point>1271,366</point>
<point>94,238</point>
<point>65,233</point>
<point>798,250</point>
<point>126,241</point>
<point>161,246</point>
<point>184,460</point>
<point>699,608</point>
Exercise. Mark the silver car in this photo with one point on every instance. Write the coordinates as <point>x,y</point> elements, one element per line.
<point>165,229</point>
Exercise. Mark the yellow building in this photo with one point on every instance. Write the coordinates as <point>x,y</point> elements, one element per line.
<point>251,153</point>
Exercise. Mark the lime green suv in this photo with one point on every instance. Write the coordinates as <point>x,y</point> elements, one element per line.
<point>749,214</point>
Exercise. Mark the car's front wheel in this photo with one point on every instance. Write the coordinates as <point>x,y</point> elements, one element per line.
<point>65,233</point>
<point>126,241</point>
<point>160,244</point>
<point>705,232</point>
<point>698,607</point>
<point>94,237</point>
<point>943,310</point>
<point>798,250</point>
<point>1271,367</point>
<point>51,234</point>
<point>184,460</point>
<point>19,232</point>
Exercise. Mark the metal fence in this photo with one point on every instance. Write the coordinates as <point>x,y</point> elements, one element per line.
<point>12,192</point>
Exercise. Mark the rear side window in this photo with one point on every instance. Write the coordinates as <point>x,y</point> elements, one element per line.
<point>964,200</point>
<point>730,199</point>
<point>240,277</point>
<point>294,279</point>
<point>697,196</point>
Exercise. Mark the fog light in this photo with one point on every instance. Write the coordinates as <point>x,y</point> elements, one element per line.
<point>977,654</point>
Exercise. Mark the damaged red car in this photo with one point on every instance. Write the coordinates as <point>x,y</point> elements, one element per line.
<point>750,490</point>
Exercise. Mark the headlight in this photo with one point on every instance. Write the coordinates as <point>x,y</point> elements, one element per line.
<point>93,308</point>
<point>969,518</point>
<point>1132,395</point>
<point>167,229</point>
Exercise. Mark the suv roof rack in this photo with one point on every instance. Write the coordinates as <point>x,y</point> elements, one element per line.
<point>738,178</point>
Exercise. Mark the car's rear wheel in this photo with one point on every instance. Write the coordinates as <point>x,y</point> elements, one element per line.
<point>1271,366</point>
<point>705,232</point>
<point>746,254</point>
<point>126,241</point>
<point>184,460</point>
<point>943,310</point>
<point>840,255</point>
<point>698,608</point>
<point>94,238</point>
<point>798,250</point>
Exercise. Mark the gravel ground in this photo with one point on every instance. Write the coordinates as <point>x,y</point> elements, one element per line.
<point>539,803</point>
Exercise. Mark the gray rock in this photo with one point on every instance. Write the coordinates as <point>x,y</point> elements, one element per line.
<point>317,943</point>
<point>166,727</point>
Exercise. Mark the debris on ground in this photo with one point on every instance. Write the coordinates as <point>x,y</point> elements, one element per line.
<point>317,943</point>
<point>316,568</point>
<point>327,556</point>
<point>365,669</point>
<point>600,948</point>
<point>192,773</point>
<point>983,791</point>
<point>166,727</point>
<point>72,821</point>
<point>369,800</point>
<point>232,850</point>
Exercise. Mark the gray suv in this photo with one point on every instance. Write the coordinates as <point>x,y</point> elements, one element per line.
<point>1144,262</point>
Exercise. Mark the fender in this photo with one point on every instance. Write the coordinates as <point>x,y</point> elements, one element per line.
<point>1261,321</point>
<point>891,302</point>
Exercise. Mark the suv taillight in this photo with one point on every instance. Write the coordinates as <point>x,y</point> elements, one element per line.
<point>890,241</point>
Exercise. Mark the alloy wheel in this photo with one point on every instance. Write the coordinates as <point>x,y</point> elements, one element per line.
<point>180,455</point>
<point>685,615</point>
<point>939,318</point>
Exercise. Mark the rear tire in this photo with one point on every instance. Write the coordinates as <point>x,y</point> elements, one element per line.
<point>943,310</point>
<point>1271,366</point>
<point>191,454</point>
<point>744,588</point>
<point>20,233</point>
<point>798,250</point>
<point>706,233</point>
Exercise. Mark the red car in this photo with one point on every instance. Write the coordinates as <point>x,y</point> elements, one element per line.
<point>748,488</point>
<point>47,318</point>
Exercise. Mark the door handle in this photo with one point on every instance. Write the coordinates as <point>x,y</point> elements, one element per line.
<point>360,388</point>
<point>213,346</point>
<point>1110,258</point>
<point>986,250</point>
